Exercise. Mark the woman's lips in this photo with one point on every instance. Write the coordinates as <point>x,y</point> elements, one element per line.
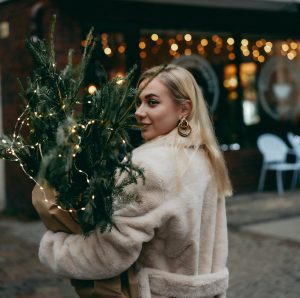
<point>144,126</point>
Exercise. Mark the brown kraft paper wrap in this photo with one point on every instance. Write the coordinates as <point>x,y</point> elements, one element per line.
<point>123,286</point>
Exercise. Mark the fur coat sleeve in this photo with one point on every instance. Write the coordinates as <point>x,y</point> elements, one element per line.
<point>104,255</point>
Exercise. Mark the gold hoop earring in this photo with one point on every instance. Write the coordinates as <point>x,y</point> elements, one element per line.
<point>184,128</point>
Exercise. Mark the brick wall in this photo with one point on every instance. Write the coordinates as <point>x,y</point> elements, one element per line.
<point>16,62</point>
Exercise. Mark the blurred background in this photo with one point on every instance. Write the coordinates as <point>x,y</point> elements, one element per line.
<point>245,55</point>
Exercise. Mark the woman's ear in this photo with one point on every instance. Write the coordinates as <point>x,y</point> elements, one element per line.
<point>186,108</point>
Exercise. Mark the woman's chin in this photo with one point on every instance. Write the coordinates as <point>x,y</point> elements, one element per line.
<point>146,136</point>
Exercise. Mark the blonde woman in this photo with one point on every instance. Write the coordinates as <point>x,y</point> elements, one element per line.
<point>176,238</point>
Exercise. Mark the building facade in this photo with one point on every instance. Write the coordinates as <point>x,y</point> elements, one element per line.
<point>246,60</point>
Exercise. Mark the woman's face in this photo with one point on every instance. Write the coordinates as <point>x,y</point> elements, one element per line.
<point>156,111</point>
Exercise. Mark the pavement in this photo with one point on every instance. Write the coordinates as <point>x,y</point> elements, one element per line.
<point>264,251</point>
<point>264,245</point>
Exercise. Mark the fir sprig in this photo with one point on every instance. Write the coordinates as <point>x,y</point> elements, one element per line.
<point>78,152</point>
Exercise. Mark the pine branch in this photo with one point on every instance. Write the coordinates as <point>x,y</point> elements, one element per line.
<point>50,45</point>
<point>76,153</point>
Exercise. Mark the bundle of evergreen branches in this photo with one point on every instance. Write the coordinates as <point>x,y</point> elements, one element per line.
<point>76,141</point>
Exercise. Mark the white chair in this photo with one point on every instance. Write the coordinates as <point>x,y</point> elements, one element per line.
<point>294,140</point>
<point>274,151</point>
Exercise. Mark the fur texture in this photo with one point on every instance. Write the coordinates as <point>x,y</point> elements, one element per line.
<point>176,237</point>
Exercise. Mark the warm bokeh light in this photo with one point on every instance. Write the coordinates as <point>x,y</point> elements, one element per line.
<point>159,41</point>
<point>220,42</point>
<point>200,49</point>
<point>293,45</point>
<point>230,83</point>
<point>231,56</point>
<point>267,48</point>
<point>230,41</point>
<point>259,43</point>
<point>121,49</point>
<point>215,38</point>
<point>261,59</point>
<point>171,41</point>
<point>179,37</point>
<point>269,44</point>
<point>187,52</point>
<point>104,36</point>
<point>246,53</point>
<point>255,53</point>
<point>84,43</point>
<point>172,53</point>
<point>229,48</point>
<point>154,37</point>
<point>244,42</point>
<point>142,45</point>
<point>204,42</point>
<point>285,47</point>
<point>174,47</point>
<point>291,55</point>
<point>187,37</point>
<point>233,95</point>
<point>143,54</point>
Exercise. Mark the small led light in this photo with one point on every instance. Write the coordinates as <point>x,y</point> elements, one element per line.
<point>107,51</point>
<point>92,89</point>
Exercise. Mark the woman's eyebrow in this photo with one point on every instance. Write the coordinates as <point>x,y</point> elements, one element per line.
<point>150,95</point>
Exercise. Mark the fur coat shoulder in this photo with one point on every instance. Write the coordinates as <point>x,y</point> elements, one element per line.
<point>176,238</point>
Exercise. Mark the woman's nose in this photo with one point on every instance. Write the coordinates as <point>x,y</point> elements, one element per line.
<point>140,112</point>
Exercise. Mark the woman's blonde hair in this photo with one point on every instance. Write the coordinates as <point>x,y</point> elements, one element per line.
<point>182,86</point>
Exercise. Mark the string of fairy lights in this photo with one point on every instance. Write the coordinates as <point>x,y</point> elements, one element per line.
<point>209,46</point>
<point>74,129</point>
<point>21,120</point>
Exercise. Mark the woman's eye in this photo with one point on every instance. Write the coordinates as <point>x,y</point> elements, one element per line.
<point>138,102</point>
<point>152,102</point>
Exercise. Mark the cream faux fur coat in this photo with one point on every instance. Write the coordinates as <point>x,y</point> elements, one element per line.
<point>176,238</point>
